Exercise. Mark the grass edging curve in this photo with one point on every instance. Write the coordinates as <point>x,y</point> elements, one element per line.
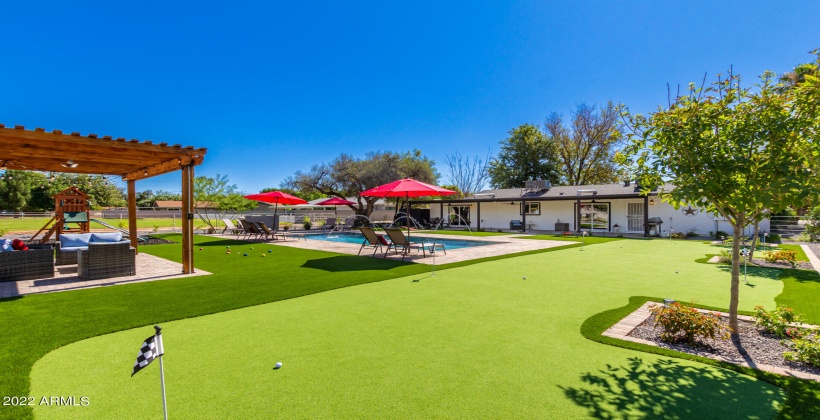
<point>803,396</point>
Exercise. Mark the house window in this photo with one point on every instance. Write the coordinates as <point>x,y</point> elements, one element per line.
<point>531,209</point>
<point>595,216</point>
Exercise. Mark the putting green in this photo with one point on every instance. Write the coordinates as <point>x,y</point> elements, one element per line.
<point>475,341</point>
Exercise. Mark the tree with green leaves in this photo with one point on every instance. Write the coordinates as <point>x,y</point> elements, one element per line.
<point>347,176</point>
<point>32,191</point>
<point>735,151</point>
<point>525,155</point>
<point>586,148</point>
<point>223,198</point>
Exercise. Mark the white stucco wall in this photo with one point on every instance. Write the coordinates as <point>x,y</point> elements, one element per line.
<point>497,215</point>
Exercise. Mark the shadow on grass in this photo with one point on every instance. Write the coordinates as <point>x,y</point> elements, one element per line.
<point>668,389</point>
<point>766,273</point>
<point>342,263</point>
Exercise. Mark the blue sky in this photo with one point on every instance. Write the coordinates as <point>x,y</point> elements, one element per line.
<point>275,87</point>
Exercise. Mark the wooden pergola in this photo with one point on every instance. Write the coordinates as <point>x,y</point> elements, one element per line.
<point>133,160</point>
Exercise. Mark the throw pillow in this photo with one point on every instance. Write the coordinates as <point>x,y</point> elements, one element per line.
<point>19,245</point>
<point>5,245</point>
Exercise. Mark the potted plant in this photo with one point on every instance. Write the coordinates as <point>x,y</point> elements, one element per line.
<point>307,224</point>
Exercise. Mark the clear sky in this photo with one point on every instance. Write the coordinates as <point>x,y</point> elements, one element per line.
<point>275,87</point>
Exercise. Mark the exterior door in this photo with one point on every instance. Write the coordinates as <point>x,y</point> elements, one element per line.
<point>634,217</point>
<point>460,216</point>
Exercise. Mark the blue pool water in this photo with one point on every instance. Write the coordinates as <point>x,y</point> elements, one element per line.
<point>357,238</point>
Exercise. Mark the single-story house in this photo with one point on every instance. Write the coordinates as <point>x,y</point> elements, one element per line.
<point>610,208</point>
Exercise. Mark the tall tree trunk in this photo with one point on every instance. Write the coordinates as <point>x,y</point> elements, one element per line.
<point>733,300</point>
<point>754,241</point>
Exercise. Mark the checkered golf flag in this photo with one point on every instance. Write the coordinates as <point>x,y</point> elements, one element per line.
<point>151,349</point>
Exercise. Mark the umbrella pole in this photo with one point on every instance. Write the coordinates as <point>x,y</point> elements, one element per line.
<point>408,216</point>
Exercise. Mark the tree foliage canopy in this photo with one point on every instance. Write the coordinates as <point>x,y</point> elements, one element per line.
<point>525,155</point>
<point>32,191</point>
<point>347,176</point>
<point>735,151</point>
<point>586,149</point>
<point>223,195</point>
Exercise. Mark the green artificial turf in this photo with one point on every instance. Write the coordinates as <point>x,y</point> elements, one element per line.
<point>474,341</point>
<point>37,324</point>
<point>801,291</point>
<point>590,240</point>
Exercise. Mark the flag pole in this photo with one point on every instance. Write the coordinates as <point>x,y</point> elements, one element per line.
<point>161,351</point>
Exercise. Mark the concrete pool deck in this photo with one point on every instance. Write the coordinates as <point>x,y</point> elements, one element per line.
<point>502,245</point>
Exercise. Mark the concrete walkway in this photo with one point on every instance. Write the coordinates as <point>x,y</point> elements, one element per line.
<point>149,268</point>
<point>813,258</point>
<point>498,245</point>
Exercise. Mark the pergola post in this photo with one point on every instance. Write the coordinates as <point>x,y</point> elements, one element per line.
<point>132,213</point>
<point>187,219</point>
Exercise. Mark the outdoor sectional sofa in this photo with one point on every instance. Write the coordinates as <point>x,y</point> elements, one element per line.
<point>70,243</point>
<point>35,263</point>
<point>97,255</point>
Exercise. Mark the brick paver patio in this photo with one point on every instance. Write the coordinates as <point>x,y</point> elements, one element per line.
<point>149,268</point>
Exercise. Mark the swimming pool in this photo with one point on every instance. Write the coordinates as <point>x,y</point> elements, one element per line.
<point>357,238</point>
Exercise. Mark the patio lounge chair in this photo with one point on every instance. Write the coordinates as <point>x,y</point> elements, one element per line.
<point>270,233</point>
<point>372,239</point>
<point>398,239</point>
<point>349,222</point>
<point>330,224</point>
<point>250,229</point>
<point>231,228</point>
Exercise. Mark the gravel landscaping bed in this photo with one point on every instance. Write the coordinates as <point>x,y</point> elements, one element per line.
<point>803,265</point>
<point>759,347</point>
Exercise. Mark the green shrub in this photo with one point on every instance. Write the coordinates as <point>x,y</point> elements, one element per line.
<point>773,238</point>
<point>122,224</point>
<point>779,322</point>
<point>677,235</point>
<point>806,350</point>
<point>3,231</point>
<point>785,256</point>
<point>685,324</point>
<point>725,257</point>
<point>156,228</point>
<point>307,224</point>
<point>691,233</point>
<point>721,234</point>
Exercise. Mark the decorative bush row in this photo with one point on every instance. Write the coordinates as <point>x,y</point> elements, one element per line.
<point>805,344</point>
<point>683,324</point>
<point>785,256</point>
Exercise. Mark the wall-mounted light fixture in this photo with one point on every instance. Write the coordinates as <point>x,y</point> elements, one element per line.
<point>70,164</point>
<point>651,201</point>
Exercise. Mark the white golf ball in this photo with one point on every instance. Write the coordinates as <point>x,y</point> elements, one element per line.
<point>278,365</point>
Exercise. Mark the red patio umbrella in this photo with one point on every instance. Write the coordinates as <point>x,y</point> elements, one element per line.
<point>406,188</point>
<point>335,202</point>
<point>276,197</point>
